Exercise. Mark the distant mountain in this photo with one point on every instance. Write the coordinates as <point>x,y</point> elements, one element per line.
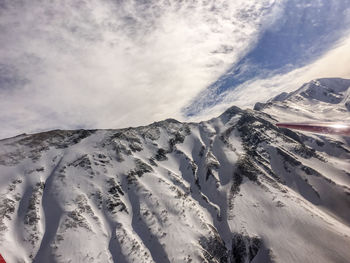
<point>325,99</point>
<point>232,189</point>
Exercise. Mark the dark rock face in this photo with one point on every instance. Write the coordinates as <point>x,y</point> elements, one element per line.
<point>113,202</point>
<point>244,248</point>
<point>347,105</point>
<point>229,113</point>
<point>214,249</point>
<point>259,106</point>
<point>6,209</point>
<point>141,168</point>
<point>161,155</point>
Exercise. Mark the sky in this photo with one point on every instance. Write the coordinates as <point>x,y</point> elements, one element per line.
<point>119,63</point>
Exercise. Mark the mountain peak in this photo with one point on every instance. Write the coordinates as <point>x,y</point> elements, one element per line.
<point>233,189</point>
<point>326,99</point>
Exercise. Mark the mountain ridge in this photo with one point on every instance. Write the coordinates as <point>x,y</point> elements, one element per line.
<point>235,188</point>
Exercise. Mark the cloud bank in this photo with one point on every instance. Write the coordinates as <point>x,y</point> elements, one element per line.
<point>109,64</point>
<point>330,65</point>
<point>115,63</point>
<point>304,31</point>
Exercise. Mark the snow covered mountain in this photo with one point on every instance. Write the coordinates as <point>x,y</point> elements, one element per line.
<point>319,100</point>
<point>232,189</point>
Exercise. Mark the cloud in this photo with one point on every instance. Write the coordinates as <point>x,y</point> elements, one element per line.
<point>333,64</point>
<point>110,64</point>
<point>298,36</point>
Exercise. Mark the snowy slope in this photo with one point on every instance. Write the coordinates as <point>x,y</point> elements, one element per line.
<point>232,189</point>
<point>325,99</point>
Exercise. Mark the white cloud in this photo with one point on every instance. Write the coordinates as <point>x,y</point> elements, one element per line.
<point>117,63</point>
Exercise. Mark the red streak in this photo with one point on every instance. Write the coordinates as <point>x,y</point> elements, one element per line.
<point>2,260</point>
<point>320,127</point>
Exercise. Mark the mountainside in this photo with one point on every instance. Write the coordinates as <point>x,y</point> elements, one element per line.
<point>232,189</point>
<point>319,100</point>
